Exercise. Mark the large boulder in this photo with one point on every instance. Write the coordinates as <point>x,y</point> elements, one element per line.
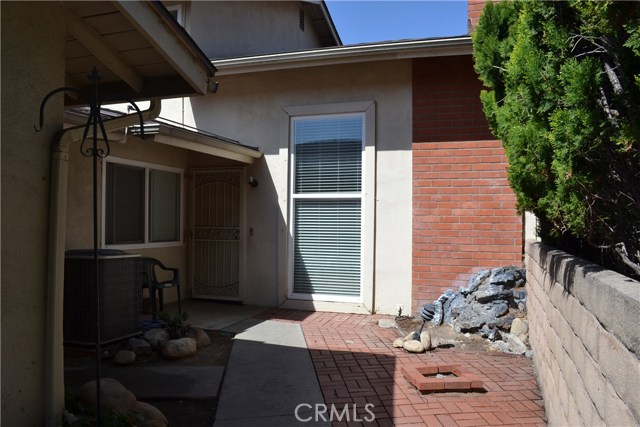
<point>179,349</point>
<point>113,395</point>
<point>151,416</point>
<point>124,357</point>
<point>201,337</point>
<point>413,346</point>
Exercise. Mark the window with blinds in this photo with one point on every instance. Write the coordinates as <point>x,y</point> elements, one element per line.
<point>142,204</point>
<point>326,218</point>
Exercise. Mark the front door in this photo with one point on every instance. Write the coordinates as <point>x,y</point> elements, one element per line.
<point>216,234</point>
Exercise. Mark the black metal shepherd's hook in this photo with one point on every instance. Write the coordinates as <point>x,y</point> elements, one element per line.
<point>94,121</point>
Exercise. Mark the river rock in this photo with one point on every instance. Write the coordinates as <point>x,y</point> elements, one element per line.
<point>113,395</point>
<point>179,349</point>
<point>398,342</point>
<point>519,327</point>
<point>425,339</point>
<point>151,416</point>
<point>201,337</point>
<point>413,346</point>
<point>515,344</point>
<point>124,357</point>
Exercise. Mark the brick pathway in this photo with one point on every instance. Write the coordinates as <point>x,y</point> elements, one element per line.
<point>356,365</point>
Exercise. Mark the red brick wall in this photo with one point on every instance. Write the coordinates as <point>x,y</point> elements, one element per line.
<point>464,216</point>
<point>474,10</point>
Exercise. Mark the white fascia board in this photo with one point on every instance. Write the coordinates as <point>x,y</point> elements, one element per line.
<point>345,55</point>
<point>205,144</point>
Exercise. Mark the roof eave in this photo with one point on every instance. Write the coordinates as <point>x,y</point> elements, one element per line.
<point>173,43</point>
<point>406,49</point>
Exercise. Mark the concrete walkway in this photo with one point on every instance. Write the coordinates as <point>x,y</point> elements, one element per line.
<point>269,374</point>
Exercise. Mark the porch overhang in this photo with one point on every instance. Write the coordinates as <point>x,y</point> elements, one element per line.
<point>138,49</point>
<point>206,143</point>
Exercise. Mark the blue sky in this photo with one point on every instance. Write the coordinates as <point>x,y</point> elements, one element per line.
<point>365,21</point>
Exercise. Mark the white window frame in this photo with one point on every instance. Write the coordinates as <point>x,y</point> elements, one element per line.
<point>147,168</point>
<point>367,196</point>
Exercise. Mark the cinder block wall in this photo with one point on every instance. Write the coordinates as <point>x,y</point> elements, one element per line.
<point>583,325</point>
<point>464,217</point>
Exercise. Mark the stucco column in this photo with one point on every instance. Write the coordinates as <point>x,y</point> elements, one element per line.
<point>32,65</point>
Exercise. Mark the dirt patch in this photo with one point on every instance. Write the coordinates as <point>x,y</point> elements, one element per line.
<point>444,336</point>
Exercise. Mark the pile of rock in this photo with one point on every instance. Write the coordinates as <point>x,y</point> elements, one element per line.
<point>487,300</point>
<point>490,305</point>
<point>158,340</point>
<point>493,305</point>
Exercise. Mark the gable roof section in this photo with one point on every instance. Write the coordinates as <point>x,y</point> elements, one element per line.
<point>403,49</point>
<point>321,19</point>
<point>138,49</point>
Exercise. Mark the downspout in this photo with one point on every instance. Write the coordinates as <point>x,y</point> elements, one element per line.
<point>54,374</point>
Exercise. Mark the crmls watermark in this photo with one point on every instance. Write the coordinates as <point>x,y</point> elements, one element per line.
<point>322,412</point>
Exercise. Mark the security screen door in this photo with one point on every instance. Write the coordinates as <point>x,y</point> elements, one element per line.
<point>216,234</point>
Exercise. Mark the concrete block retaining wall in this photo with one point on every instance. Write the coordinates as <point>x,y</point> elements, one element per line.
<point>584,325</point>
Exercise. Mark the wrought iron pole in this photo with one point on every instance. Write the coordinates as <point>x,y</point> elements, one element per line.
<point>95,152</point>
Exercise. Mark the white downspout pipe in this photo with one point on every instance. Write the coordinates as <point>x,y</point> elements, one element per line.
<point>54,374</point>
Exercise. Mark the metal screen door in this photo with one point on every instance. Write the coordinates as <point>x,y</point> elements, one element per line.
<point>216,234</point>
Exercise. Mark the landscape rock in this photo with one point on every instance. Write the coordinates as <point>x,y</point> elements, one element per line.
<point>139,346</point>
<point>179,349</point>
<point>412,336</point>
<point>387,323</point>
<point>413,346</point>
<point>491,333</point>
<point>113,395</point>
<point>472,316</point>
<point>500,346</point>
<point>398,342</point>
<point>520,327</point>
<point>156,337</point>
<point>425,339</point>
<point>201,337</point>
<point>124,357</point>
<point>152,417</point>
<point>515,344</point>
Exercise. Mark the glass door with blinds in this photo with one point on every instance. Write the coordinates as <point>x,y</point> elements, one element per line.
<point>326,207</point>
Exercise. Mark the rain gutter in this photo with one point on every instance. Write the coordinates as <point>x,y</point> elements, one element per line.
<point>404,49</point>
<point>54,376</point>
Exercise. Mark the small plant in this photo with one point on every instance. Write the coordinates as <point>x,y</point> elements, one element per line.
<point>176,326</point>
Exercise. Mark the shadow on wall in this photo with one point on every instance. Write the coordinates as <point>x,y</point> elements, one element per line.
<point>563,267</point>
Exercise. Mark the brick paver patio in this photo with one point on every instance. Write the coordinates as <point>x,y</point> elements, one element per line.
<point>357,365</point>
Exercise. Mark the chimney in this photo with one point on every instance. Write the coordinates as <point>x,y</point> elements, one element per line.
<point>474,10</point>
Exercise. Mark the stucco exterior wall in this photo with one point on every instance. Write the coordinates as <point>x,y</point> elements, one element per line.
<point>79,202</point>
<point>266,27</point>
<point>585,339</point>
<point>250,109</point>
<point>32,65</point>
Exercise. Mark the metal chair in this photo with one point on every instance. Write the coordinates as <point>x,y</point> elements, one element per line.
<point>150,281</point>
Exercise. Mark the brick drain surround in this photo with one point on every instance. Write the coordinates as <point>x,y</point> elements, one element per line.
<point>441,378</point>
